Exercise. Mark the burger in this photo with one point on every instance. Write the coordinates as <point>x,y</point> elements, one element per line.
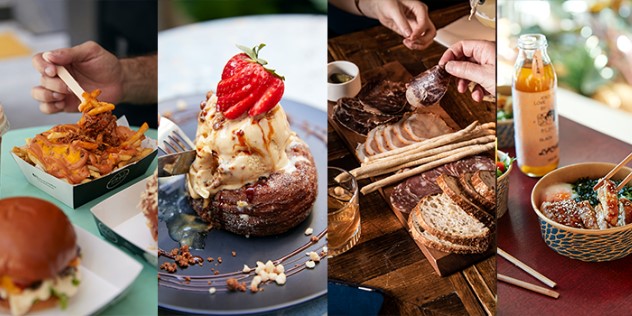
<point>39,261</point>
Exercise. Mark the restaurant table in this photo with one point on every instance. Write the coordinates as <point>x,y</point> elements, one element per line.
<point>386,257</point>
<point>141,297</point>
<point>586,288</point>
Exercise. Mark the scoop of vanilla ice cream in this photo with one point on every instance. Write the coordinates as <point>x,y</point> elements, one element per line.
<point>233,153</point>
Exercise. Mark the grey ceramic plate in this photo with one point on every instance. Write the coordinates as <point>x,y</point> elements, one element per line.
<point>306,284</point>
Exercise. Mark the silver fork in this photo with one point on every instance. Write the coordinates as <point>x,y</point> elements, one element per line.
<point>178,146</point>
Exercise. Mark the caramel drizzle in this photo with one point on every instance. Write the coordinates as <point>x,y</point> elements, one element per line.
<point>200,283</point>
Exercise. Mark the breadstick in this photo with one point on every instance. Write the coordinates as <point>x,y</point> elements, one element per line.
<point>396,162</point>
<point>428,143</point>
<point>476,149</point>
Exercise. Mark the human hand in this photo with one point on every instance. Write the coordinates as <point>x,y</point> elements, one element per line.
<point>472,61</point>
<point>90,64</point>
<point>408,18</point>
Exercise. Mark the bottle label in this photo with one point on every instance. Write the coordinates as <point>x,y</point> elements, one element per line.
<point>536,128</point>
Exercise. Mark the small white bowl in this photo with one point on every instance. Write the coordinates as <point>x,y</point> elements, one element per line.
<point>347,89</point>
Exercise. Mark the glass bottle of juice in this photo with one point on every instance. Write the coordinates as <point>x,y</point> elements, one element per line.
<point>535,115</point>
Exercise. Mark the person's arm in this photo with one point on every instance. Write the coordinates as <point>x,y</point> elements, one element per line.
<point>140,84</point>
<point>132,80</point>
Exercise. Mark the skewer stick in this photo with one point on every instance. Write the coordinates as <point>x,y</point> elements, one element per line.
<point>528,286</point>
<point>67,78</point>
<point>623,183</point>
<point>526,268</point>
<point>613,171</point>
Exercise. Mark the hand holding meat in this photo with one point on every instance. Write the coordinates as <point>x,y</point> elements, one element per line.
<point>472,61</point>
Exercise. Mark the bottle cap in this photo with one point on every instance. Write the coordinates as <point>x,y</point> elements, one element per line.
<point>532,41</point>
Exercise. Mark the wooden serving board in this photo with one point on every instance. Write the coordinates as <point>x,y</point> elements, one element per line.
<point>443,263</point>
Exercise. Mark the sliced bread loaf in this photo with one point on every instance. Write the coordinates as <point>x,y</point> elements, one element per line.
<point>451,187</point>
<point>465,181</point>
<point>433,242</point>
<point>484,182</point>
<point>439,216</point>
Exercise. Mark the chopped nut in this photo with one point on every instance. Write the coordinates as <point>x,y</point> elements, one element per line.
<point>212,290</point>
<point>314,256</point>
<point>234,253</point>
<point>279,269</point>
<point>264,276</point>
<point>234,285</point>
<point>314,239</point>
<point>309,231</point>
<point>216,272</point>
<point>269,266</point>
<point>246,269</point>
<point>257,280</point>
<point>169,267</point>
<point>280,279</point>
<point>272,276</point>
<point>187,279</point>
<point>310,264</point>
<point>325,249</point>
<point>219,259</point>
<point>210,259</point>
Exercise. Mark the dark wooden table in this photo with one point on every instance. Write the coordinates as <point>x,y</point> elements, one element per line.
<point>386,257</point>
<point>600,288</point>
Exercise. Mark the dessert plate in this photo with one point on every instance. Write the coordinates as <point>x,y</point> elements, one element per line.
<point>177,294</point>
<point>121,222</point>
<point>106,272</point>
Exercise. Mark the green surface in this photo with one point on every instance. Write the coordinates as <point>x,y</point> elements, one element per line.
<point>142,296</point>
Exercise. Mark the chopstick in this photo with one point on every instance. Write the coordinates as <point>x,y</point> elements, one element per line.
<point>613,171</point>
<point>527,286</point>
<point>67,78</point>
<point>526,268</point>
<point>623,183</point>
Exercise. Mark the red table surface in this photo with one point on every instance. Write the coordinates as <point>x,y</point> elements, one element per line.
<point>586,288</point>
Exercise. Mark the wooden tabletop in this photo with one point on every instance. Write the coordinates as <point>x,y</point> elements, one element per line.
<point>386,257</point>
<point>585,288</point>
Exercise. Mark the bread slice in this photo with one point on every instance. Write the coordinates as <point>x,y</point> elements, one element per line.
<point>465,181</point>
<point>484,182</point>
<point>451,187</point>
<point>433,242</point>
<point>441,217</point>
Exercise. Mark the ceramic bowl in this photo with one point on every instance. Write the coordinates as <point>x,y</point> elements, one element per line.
<point>592,245</point>
<point>347,89</point>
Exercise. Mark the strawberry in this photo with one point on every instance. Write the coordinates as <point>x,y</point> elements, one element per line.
<point>235,62</point>
<point>247,86</point>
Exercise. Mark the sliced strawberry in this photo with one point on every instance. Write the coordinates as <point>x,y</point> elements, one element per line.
<point>269,99</point>
<point>240,85</point>
<point>234,64</point>
<point>247,86</point>
<point>248,102</point>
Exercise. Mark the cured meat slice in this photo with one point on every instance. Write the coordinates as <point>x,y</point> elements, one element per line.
<point>428,87</point>
<point>386,96</point>
<point>405,197</point>
<point>354,115</point>
<point>407,194</point>
<point>428,125</point>
<point>411,128</point>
